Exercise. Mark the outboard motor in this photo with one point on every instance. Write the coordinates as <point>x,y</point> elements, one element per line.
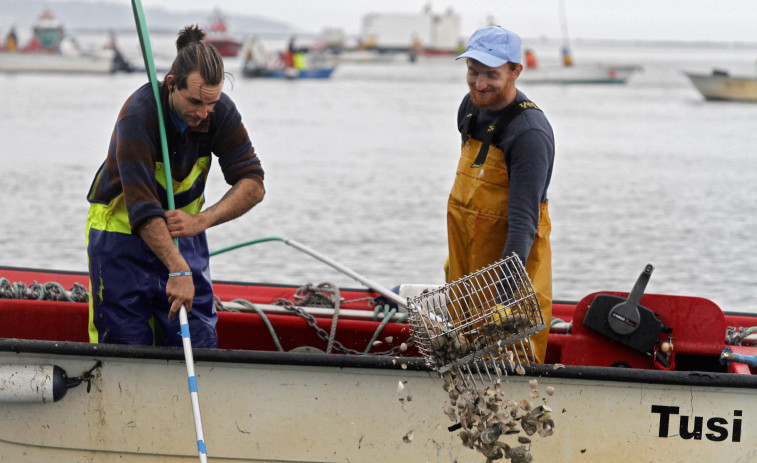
<point>628,323</point>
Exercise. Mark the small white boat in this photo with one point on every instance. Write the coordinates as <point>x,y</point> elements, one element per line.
<point>570,72</point>
<point>102,62</point>
<point>369,56</point>
<point>578,74</point>
<point>52,50</point>
<point>720,86</point>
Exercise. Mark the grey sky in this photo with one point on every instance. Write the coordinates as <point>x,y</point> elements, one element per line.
<point>693,20</point>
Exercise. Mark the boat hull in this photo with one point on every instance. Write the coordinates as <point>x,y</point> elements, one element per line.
<point>586,74</point>
<point>260,404</point>
<point>226,46</point>
<point>722,87</point>
<point>290,73</point>
<point>44,62</point>
<point>286,407</point>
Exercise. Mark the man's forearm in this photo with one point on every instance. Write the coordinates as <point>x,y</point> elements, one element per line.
<point>155,234</point>
<point>240,198</point>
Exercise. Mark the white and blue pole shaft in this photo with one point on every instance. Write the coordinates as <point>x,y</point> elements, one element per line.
<point>187,341</point>
<point>144,41</point>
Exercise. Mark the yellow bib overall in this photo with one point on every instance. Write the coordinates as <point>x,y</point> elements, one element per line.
<point>477,227</point>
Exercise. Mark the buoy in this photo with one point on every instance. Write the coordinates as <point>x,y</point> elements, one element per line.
<point>32,383</point>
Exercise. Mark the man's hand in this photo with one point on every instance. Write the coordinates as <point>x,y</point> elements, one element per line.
<point>180,291</point>
<point>182,224</point>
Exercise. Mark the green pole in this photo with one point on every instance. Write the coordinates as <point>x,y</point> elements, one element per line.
<point>144,41</point>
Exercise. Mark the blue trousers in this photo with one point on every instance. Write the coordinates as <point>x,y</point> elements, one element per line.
<point>128,303</point>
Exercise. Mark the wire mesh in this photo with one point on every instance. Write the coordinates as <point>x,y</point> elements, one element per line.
<point>480,324</point>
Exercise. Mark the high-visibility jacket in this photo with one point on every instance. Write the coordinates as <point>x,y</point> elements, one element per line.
<point>127,302</point>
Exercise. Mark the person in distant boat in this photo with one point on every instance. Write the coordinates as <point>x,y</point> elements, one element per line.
<point>498,202</point>
<point>11,41</point>
<point>120,64</point>
<point>567,57</point>
<point>530,59</point>
<point>139,279</point>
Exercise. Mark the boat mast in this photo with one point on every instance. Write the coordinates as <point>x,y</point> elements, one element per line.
<point>566,54</point>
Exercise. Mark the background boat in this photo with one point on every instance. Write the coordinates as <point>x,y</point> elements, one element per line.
<point>288,73</point>
<point>219,37</point>
<point>720,86</point>
<point>568,71</point>
<point>597,73</point>
<point>292,63</point>
<point>101,62</point>
<point>51,49</point>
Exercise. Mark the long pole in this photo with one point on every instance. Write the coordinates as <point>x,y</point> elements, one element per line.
<point>402,303</point>
<point>144,41</point>
<point>563,23</point>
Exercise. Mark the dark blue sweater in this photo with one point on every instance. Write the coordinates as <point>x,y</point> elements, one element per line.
<point>134,149</point>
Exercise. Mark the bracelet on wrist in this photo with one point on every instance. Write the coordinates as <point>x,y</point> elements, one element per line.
<point>179,274</point>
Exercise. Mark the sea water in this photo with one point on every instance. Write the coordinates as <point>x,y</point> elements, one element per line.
<point>359,168</point>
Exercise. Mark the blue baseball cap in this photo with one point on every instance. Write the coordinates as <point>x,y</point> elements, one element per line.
<point>494,46</point>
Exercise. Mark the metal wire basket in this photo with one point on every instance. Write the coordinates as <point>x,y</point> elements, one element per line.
<point>478,325</point>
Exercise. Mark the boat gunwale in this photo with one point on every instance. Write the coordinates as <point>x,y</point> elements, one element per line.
<point>215,282</point>
<point>287,285</point>
<point>558,371</point>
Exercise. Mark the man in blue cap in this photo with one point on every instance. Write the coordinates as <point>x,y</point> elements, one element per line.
<point>498,203</point>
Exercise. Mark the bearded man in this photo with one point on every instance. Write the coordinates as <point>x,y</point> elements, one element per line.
<point>498,203</point>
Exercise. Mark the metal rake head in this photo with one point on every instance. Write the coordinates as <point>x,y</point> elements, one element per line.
<point>478,325</point>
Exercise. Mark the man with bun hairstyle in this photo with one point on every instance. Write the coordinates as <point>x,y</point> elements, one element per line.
<point>139,279</point>
<point>498,203</point>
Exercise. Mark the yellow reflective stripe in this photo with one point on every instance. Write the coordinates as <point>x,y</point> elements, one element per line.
<point>109,217</point>
<point>95,183</point>
<point>114,217</point>
<point>91,330</point>
<point>201,167</point>
<point>195,206</point>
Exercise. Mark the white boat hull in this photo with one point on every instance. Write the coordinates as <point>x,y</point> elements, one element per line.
<point>578,74</point>
<point>722,87</point>
<point>270,407</point>
<point>42,62</point>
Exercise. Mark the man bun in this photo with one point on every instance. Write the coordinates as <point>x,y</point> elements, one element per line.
<point>194,54</point>
<point>189,34</point>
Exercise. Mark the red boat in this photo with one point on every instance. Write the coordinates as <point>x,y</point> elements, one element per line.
<point>648,377</point>
<point>698,329</point>
<point>218,36</point>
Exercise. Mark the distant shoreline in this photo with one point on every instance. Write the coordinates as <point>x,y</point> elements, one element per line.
<point>527,40</point>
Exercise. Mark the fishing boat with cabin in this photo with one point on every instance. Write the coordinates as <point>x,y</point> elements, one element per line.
<point>52,50</point>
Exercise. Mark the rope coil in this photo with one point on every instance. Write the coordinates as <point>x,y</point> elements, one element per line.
<point>325,295</point>
<point>50,291</point>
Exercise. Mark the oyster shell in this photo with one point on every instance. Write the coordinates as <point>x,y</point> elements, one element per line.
<point>491,434</point>
<point>520,454</point>
<point>487,416</point>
